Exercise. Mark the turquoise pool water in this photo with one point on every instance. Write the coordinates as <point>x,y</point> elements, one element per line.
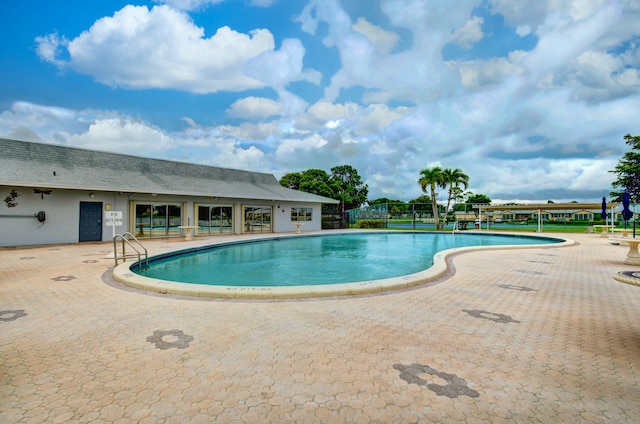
<point>314,260</point>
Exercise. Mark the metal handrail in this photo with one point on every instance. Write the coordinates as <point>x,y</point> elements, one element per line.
<point>125,237</point>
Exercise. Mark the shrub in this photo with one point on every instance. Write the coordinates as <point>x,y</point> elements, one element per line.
<point>371,223</point>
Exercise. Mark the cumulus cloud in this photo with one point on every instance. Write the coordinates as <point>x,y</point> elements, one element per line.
<point>418,70</point>
<point>122,134</point>
<point>99,130</point>
<point>599,76</point>
<point>160,48</point>
<point>481,73</point>
<point>532,14</point>
<point>201,4</point>
<point>246,131</point>
<point>562,40</point>
<point>469,34</point>
<point>319,114</point>
<point>49,48</point>
<point>383,40</point>
<point>540,124</point>
<point>188,4</point>
<point>278,68</point>
<point>254,108</point>
<point>262,3</point>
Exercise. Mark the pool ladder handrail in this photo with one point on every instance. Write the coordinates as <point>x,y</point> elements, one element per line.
<point>126,237</point>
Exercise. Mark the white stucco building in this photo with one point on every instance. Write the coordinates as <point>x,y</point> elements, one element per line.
<point>58,194</point>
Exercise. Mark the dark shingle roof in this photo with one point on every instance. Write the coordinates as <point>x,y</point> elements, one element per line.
<point>25,163</point>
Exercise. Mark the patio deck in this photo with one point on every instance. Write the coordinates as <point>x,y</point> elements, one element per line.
<point>523,336</point>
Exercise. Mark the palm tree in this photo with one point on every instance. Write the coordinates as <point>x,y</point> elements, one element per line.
<point>433,178</point>
<point>455,179</point>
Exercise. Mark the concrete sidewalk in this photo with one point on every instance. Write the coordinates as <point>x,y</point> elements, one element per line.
<point>538,335</point>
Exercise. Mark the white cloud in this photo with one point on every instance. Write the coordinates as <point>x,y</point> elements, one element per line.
<point>278,68</point>
<point>188,4</point>
<point>262,3</point>
<point>547,123</point>
<point>533,13</point>
<point>562,40</point>
<point>294,146</point>
<point>418,70</point>
<point>160,48</point>
<point>49,123</point>
<point>254,108</point>
<point>97,130</point>
<point>260,131</point>
<point>469,34</point>
<point>322,112</point>
<point>49,48</point>
<point>599,76</point>
<point>383,40</point>
<point>374,118</point>
<point>482,73</point>
<point>122,135</point>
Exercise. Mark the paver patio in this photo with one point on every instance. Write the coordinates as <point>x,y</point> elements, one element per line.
<point>537,335</point>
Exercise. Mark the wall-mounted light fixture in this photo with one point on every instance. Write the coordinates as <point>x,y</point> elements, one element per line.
<point>92,195</point>
<point>41,192</point>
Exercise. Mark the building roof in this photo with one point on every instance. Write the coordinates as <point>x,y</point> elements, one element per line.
<point>550,206</point>
<point>28,164</point>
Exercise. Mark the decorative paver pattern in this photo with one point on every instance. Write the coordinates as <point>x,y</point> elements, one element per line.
<point>512,287</point>
<point>82,355</point>
<point>64,278</point>
<point>8,316</point>
<point>491,316</point>
<point>454,386</point>
<point>168,339</point>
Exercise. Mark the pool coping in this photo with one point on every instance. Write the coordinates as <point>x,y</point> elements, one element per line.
<point>123,274</point>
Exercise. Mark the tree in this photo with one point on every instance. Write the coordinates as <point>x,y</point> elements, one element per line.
<point>457,181</point>
<point>318,182</point>
<point>383,200</point>
<point>396,211</point>
<point>291,180</point>
<point>348,187</point>
<point>479,199</point>
<point>628,172</point>
<point>433,178</point>
<point>315,181</point>
<point>419,205</point>
<point>421,199</point>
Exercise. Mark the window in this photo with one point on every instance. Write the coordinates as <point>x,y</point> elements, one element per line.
<point>301,214</point>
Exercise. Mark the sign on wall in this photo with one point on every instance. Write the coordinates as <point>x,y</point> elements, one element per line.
<point>113,218</point>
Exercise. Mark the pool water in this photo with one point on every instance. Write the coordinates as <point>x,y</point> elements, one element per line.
<point>316,260</point>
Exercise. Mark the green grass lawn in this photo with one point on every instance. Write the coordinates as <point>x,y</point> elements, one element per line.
<point>547,228</point>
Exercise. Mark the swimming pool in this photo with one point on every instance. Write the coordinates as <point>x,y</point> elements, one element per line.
<point>315,265</point>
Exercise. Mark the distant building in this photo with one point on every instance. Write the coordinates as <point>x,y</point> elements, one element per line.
<point>57,194</point>
<point>554,212</point>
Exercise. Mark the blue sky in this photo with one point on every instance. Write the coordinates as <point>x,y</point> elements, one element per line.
<point>530,99</point>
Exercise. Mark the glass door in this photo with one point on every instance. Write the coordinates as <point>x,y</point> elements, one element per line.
<point>257,219</point>
<point>158,220</point>
<point>222,219</point>
<point>214,220</point>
